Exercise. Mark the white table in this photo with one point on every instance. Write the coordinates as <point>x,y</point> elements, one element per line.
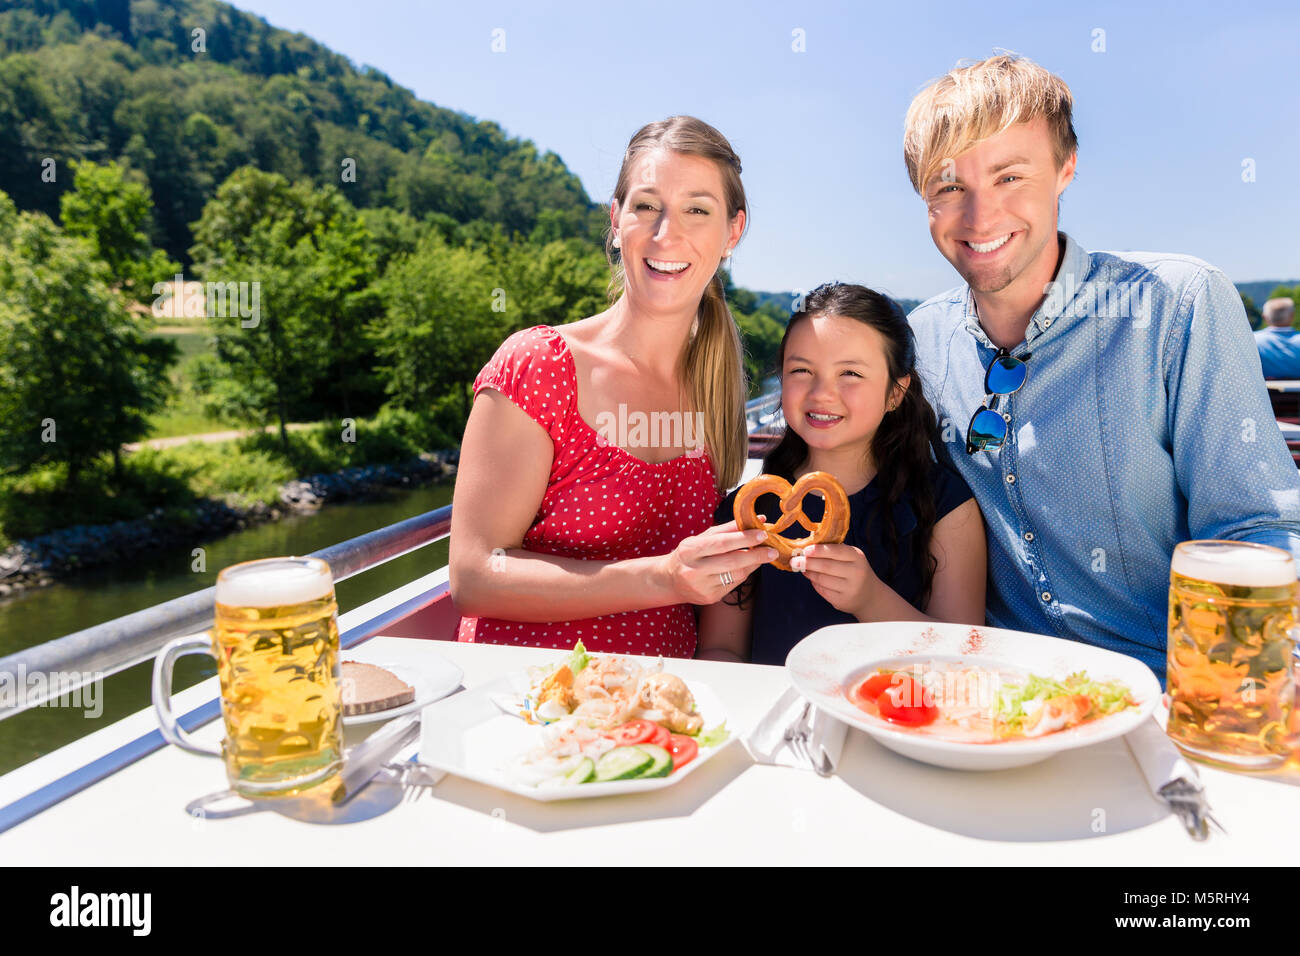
<point>1088,806</point>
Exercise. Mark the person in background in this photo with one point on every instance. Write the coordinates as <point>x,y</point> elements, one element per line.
<point>1278,341</point>
<point>1102,406</point>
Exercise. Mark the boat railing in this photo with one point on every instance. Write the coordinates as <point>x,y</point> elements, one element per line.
<point>96,652</point>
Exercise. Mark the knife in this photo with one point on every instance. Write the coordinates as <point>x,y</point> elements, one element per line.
<point>366,759</point>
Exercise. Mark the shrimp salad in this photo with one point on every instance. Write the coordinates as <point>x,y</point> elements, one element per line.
<point>607,718</point>
<point>974,704</point>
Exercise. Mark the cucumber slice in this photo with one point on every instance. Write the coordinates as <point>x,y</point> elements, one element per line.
<point>621,763</point>
<point>579,770</point>
<point>661,761</point>
<point>585,770</point>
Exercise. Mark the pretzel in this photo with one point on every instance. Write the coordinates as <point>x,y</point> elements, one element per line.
<point>831,529</point>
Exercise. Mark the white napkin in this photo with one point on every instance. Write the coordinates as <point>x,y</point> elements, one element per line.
<point>1171,777</point>
<point>767,744</point>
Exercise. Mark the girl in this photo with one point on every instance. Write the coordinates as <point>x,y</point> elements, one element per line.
<point>565,530</point>
<point>853,407</point>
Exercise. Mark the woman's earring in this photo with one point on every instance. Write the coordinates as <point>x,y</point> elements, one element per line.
<point>617,242</point>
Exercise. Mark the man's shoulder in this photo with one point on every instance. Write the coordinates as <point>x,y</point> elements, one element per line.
<point>940,312</point>
<point>1172,269</point>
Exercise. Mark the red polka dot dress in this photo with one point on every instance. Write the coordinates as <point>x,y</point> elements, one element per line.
<point>601,503</point>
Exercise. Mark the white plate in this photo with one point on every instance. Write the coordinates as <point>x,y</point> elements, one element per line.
<point>434,679</point>
<point>470,736</point>
<point>830,660</point>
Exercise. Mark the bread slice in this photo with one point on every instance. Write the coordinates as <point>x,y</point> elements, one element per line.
<point>368,689</point>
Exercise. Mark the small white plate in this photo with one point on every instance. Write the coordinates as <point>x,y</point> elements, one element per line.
<point>471,736</point>
<point>434,679</point>
<point>830,660</point>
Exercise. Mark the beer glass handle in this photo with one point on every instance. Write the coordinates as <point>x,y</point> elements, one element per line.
<point>162,690</point>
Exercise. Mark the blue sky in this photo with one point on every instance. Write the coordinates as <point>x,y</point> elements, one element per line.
<point>1182,95</point>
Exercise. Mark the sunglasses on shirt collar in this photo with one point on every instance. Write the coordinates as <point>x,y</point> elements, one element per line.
<point>1005,375</point>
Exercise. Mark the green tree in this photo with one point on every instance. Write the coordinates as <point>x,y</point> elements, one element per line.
<point>443,319</point>
<point>552,283</point>
<point>78,376</point>
<point>761,336</point>
<point>115,215</point>
<point>1253,312</point>
<point>306,255</point>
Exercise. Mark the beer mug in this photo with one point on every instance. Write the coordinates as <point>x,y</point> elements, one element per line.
<point>1232,607</point>
<point>276,641</point>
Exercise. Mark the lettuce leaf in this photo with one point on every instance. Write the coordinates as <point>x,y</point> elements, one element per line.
<point>711,738</point>
<point>1009,710</point>
<point>578,659</point>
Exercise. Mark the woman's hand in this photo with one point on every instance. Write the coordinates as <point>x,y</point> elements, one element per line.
<point>841,574</point>
<point>694,569</point>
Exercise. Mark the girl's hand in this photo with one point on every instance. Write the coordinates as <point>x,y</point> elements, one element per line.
<point>695,568</point>
<point>841,574</point>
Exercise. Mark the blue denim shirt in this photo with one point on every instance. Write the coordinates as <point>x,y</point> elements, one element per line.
<point>1143,422</point>
<point>1279,352</point>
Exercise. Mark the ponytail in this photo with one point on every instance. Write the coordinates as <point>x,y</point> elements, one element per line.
<point>714,373</point>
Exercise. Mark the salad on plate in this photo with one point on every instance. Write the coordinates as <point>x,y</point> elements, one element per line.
<point>604,718</point>
<point>980,704</point>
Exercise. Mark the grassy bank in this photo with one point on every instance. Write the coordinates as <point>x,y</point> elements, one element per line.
<point>185,413</point>
<point>242,472</point>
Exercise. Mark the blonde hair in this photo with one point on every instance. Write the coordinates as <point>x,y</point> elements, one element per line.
<point>712,366</point>
<point>972,103</point>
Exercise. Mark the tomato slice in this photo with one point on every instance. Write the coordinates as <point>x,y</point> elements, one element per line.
<point>907,702</point>
<point>871,687</point>
<point>683,749</point>
<point>660,737</point>
<point>634,732</point>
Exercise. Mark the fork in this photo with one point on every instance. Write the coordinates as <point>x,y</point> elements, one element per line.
<point>797,736</point>
<point>413,777</point>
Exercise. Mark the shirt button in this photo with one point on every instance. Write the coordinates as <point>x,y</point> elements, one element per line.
<point>1047,323</point>
<point>1029,536</point>
<point>1006,416</point>
<point>1011,479</point>
<point>1046,595</point>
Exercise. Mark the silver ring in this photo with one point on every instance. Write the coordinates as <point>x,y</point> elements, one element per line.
<point>726,578</point>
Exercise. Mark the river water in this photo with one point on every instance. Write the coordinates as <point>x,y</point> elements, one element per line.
<point>102,594</point>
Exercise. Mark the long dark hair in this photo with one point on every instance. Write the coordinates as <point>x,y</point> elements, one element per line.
<point>907,438</point>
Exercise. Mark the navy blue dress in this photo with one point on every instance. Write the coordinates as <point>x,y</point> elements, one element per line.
<point>788,608</point>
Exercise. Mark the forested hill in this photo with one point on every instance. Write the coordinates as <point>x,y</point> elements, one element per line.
<point>186,91</point>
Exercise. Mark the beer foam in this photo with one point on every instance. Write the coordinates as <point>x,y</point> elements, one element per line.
<point>274,583</point>
<point>1235,563</point>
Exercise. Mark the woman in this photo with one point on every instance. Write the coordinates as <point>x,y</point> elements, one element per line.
<point>562,532</point>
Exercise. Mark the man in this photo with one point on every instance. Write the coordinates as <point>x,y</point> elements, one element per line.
<point>1140,419</point>
<point>1279,346</point>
